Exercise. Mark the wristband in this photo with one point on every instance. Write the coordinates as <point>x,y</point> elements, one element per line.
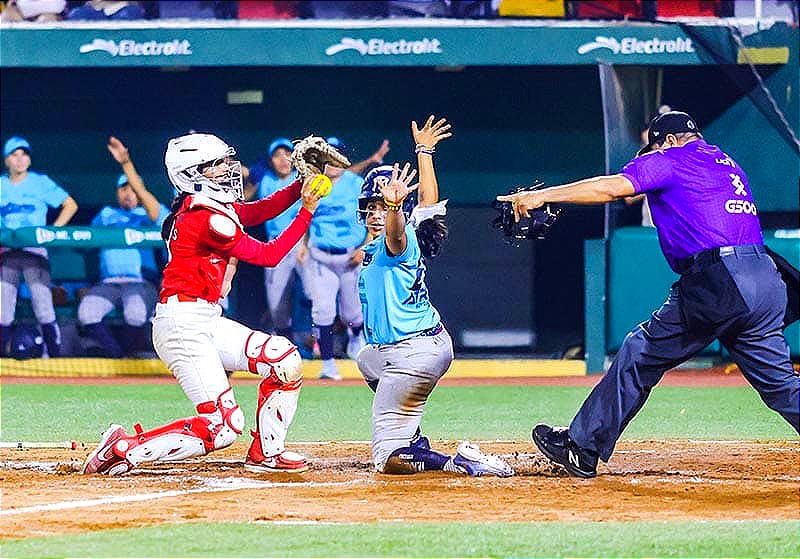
<point>422,148</point>
<point>393,207</point>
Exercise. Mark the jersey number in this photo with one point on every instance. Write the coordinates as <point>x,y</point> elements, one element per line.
<point>418,292</point>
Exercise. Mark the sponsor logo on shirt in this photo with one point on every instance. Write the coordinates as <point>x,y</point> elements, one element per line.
<point>11,208</point>
<point>633,45</point>
<point>377,47</point>
<point>740,207</point>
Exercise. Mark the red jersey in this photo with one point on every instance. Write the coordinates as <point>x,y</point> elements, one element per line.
<point>206,235</point>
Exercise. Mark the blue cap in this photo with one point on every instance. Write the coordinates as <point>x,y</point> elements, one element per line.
<point>338,144</point>
<point>14,143</point>
<point>280,143</point>
<point>122,180</point>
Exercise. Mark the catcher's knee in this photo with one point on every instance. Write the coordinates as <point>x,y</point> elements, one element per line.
<point>268,354</point>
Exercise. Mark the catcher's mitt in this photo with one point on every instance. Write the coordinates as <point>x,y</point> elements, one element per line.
<point>536,226</point>
<point>312,153</point>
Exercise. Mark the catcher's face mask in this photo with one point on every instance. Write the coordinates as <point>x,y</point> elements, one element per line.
<point>226,172</point>
<point>536,226</point>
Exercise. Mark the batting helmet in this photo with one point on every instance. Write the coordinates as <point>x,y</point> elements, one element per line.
<point>371,190</point>
<point>25,342</point>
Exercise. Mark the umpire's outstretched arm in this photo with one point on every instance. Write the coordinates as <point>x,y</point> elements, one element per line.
<point>595,190</point>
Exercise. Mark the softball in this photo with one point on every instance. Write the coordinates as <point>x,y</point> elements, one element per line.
<point>322,185</point>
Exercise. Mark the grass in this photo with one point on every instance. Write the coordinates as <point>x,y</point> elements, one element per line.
<point>539,539</point>
<point>82,412</point>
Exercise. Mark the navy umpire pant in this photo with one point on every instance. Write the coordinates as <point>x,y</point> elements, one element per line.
<point>731,293</point>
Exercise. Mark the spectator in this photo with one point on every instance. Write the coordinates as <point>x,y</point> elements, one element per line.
<point>107,10</point>
<point>418,8</point>
<point>265,9</point>
<point>344,9</point>
<point>24,198</point>
<point>33,10</point>
<point>196,9</point>
<point>121,280</point>
<point>331,273</point>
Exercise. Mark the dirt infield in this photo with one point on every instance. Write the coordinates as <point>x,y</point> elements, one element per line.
<point>45,495</point>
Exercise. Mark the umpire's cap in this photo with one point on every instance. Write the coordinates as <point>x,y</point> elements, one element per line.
<point>672,122</point>
<point>14,143</point>
<point>280,143</point>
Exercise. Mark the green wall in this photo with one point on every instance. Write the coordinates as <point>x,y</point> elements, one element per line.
<point>510,125</point>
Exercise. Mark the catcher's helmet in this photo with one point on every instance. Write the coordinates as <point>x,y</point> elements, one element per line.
<point>187,155</point>
<point>25,342</point>
<point>536,226</point>
<point>371,190</point>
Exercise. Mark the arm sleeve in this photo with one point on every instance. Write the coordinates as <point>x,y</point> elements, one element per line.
<point>270,254</point>
<point>651,171</point>
<point>256,213</point>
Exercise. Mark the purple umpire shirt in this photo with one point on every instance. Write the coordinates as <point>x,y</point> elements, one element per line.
<point>699,197</point>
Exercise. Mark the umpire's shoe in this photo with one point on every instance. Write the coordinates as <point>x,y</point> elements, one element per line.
<point>558,447</point>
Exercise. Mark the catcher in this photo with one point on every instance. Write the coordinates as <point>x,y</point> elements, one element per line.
<point>729,287</point>
<point>205,238</point>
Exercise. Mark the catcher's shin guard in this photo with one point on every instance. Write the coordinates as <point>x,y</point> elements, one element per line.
<point>277,404</point>
<point>217,426</point>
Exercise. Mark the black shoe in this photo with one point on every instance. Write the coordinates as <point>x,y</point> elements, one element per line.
<point>558,447</point>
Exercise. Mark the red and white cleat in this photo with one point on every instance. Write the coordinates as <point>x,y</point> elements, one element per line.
<point>109,456</point>
<point>286,461</point>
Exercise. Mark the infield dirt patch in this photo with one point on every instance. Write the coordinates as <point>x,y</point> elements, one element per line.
<point>43,493</point>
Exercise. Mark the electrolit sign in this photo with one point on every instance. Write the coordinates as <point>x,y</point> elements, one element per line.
<point>376,47</point>
<point>633,45</point>
<point>127,47</point>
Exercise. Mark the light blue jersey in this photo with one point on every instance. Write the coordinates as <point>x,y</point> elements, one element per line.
<point>335,224</point>
<point>25,204</point>
<point>394,297</point>
<point>269,185</point>
<point>127,262</point>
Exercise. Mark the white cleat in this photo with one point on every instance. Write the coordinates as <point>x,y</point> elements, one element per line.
<point>475,463</point>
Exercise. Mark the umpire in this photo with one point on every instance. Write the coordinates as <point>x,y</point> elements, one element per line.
<point>729,287</point>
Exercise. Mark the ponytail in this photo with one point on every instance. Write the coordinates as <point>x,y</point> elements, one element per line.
<point>431,235</point>
<point>166,227</point>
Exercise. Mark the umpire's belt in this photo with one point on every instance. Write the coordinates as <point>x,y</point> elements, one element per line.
<point>704,258</point>
<point>332,250</point>
<point>432,331</point>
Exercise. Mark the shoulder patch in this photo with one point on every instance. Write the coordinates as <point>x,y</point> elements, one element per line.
<point>222,225</point>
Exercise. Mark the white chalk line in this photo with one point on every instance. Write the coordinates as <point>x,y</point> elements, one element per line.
<point>213,485</point>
